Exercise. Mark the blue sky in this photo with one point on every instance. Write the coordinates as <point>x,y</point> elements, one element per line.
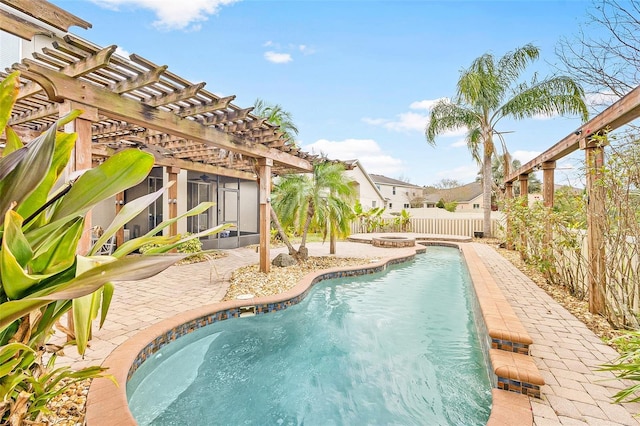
<point>358,76</point>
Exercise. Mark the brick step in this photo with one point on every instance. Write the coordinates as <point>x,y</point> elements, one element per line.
<point>503,326</point>
<point>510,409</point>
<point>516,372</point>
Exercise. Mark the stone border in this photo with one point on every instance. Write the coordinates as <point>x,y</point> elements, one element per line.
<point>107,403</point>
<point>393,242</point>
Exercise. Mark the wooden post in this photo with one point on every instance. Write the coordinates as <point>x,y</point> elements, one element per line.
<point>548,190</point>
<point>264,177</point>
<point>524,193</point>
<point>508,194</point>
<point>524,187</point>
<point>173,198</point>
<point>119,205</point>
<point>80,160</point>
<point>594,156</point>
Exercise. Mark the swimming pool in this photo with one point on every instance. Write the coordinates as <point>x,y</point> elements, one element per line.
<point>398,347</point>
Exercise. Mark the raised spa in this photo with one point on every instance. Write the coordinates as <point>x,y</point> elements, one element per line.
<point>398,347</point>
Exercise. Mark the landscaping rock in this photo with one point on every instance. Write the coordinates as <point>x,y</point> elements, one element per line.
<point>283,260</point>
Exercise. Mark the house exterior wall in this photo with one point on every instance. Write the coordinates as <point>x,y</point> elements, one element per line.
<point>366,192</point>
<point>474,204</point>
<point>398,196</point>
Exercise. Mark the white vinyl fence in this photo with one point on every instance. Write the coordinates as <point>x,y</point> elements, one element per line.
<point>443,226</point>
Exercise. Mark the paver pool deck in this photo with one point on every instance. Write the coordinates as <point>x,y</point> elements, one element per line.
<point>565,351</point>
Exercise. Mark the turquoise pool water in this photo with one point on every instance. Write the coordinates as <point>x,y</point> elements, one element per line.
<point>399,347</point>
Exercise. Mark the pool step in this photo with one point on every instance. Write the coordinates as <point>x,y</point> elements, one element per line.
<point>516,372</point>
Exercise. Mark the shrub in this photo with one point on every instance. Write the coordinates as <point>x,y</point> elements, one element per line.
<point>41,276</point>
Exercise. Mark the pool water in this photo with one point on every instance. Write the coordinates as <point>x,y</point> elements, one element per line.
<point>394,348</point>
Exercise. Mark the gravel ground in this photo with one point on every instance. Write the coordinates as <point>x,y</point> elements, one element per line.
<point>68,408</point>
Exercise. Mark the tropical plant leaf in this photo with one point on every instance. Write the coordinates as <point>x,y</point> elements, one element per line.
<point>9,88</point>
<point>29,172</point>
<point>168,247</point>
<point>124,216</point>
<point>119,172</point>
<point>200,208</point>
<point>61,154</point>
<point>107,296</point>
<point>12,143</point>
<point>127,269</point>
<point>9,162</point>
<point>59,252</point>
<point>132,245</point>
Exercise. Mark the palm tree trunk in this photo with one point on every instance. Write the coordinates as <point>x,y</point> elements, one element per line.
<point>283,235</point>
<point>332,239</point>
<point>486,198</point>
<point>303,253</point>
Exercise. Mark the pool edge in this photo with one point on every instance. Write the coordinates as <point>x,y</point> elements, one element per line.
<point>107,403</point>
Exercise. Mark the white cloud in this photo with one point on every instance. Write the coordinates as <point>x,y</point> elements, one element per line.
<point>173,14</point>
<point>306,50</point>
<point>426,104</point>
<point>459,143</point>
<point>277,58</point>
<point>121,52</point>
<point>267,43</point>
<point>600,99</point>
<point>411,121</point>
<point>367,151</point>
<point>405,122</point>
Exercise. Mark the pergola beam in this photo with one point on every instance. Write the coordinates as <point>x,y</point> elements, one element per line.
<point>59,87</point>
<point>48,13</point>
<point>21,27</point>
<point>217,105</point>
<point>620,113</point>
<point>183,164</point>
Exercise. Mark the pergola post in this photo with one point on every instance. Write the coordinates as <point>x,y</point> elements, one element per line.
<point>594,156</point>
<point>172,193</point>
<point>548,190</point>
<point>524,193</point>
<point>264,177</point>
<point>508,194</point>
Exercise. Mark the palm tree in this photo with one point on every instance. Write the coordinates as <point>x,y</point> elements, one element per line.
<point>275,114</point>
<point>489,91</point>
<point>323,197</point>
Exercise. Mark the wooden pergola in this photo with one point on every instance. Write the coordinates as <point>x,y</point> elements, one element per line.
<point>134,102</point>
<point>617,115</point>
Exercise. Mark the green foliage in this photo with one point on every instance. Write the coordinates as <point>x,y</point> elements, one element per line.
<point>555,240</point>
<point>404,220</point>
<point>191,246</point>
<point>627,365</point>
<point>41,276</point>
<point>451,206</point>
<point>440,203</point>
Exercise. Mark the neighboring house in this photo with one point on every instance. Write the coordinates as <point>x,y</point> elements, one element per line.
<point>366,190</point>
<point>468,197</point>
<point>399,194</point>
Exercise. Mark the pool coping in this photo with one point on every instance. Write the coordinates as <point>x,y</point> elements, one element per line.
<point>107,403</point>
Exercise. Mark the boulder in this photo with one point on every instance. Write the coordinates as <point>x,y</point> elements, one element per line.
<point>283,260</point>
